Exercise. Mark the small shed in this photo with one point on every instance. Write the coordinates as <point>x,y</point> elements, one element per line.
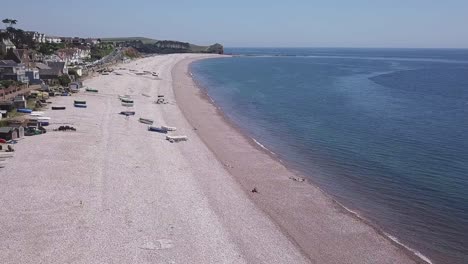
<point>6,105</point>
<point>19,102</point>
<point>9,133</point>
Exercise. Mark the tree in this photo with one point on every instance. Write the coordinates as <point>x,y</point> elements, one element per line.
<point>6,21</point>
<point>20,38</point>
<point>10,22</point>
<point>64,80</point>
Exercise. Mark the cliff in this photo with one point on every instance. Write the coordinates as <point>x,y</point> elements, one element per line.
<point>145,45</point>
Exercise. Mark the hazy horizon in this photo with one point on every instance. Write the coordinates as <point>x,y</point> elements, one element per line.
<point>340,24</point>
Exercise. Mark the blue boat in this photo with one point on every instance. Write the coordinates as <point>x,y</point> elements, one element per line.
<point>157,129</point>
<point>80,105</point>
<point>127,113</point>
<point>24,110</point>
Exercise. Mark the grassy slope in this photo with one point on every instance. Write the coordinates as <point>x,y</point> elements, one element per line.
<point>144,40</point>
<point>194,48</point>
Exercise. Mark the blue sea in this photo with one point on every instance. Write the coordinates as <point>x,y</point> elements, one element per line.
<point>383,131</point>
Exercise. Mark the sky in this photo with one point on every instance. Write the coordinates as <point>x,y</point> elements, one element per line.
<point>255,23</point>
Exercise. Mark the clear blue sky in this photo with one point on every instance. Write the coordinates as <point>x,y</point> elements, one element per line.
<point>253,23</point>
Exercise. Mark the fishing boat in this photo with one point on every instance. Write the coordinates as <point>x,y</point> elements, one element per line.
<point>124,96</point>
<point>127,113</point>
<point>157,129</point>
<point>127,100</point>
<point>36,113</point>
<point>127,104</point>
<point>168,128</point>
<point>4,155</point>
<point>91,90</point>
<point>173,139</point>
<point>24,110</point>
<point>58,107</point>
<point>80,102</point>
<point>80,105</point>
<point>146,121</point>
<point>43,122</point>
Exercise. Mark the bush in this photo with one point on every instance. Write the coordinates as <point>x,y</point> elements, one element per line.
<point>7,83</point>
<point>64,80</point>
<point>74,73</point>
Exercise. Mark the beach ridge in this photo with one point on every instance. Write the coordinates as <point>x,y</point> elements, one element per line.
<point>276,184</point>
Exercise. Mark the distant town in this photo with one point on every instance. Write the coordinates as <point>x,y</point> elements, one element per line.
<point>34,58</point>
<point>35,61</point>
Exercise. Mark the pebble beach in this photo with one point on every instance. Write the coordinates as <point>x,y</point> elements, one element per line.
<point>114,192</point>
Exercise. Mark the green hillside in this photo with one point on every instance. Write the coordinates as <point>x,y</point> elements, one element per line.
<point>123,39</point>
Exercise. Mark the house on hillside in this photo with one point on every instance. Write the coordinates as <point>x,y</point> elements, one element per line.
<point>24,56</point>
<point>27,58</point>
<point>51,71</point>
<point>59,66</point>
<point>33,76</point>
<point>37,37</point>
<point>53,39</point>
<point>92,41</point>
<point>5,45</point>
<point>74,55</point>
<point>10,70</point>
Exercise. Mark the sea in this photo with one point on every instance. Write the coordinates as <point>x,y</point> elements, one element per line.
<point>382,131</point>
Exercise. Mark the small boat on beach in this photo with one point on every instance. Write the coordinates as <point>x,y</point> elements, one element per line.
<point>157,129</point>
<point>173,139</point>
<point>43,122</point>
<point>124,96</point>
<point>58,107</point>
<point>24,110</point>
<point>36,113</point>
<point>146,121</point>
<point>91,90</point>
<point>127,104</point>
<point>127,100</point>
<point>80,105</point>
<point>127,113</point>
<point>79,102</point>
<point>4,155</point>
<point>168,128</point>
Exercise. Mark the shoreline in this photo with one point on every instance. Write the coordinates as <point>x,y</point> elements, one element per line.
<point>288,223</point>
<point>114,191</point>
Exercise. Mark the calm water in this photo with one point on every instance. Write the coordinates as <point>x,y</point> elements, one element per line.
<point>385,131</point>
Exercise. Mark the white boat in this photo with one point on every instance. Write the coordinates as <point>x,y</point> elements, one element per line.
<point>127,104</point>
<point>43,118</point>
<point>173,139</point>
<point>124,97</point>
<point>6,155</point>
<point>36,113</point>
<point>168,128</point>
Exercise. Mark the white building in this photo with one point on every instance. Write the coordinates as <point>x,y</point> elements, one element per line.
<point>37,37</point>
<point>5,45</point>
<point>53,39</point>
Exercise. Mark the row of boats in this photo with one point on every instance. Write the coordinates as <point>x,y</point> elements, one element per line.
<point>128,102</point>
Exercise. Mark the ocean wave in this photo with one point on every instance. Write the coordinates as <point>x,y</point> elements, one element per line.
<point>262,146</point>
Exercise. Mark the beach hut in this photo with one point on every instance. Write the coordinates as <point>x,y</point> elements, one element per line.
<point>9,133</point>
<point>19,101</point>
